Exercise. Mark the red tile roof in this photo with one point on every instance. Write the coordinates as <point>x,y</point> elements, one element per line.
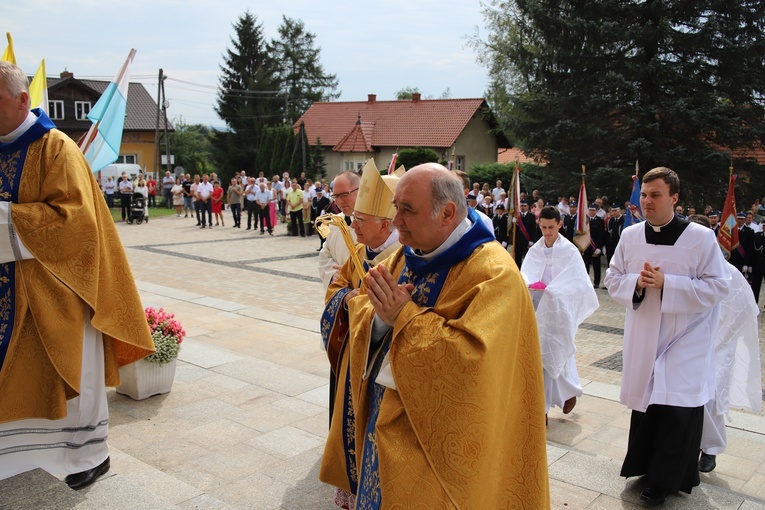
<point>403,123</point>
<point>512,155</point>
<point>359,139</point>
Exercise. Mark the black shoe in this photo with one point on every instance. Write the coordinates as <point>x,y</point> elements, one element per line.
<point>654,495</point>
<point>707,463</point>
<point>84,479</point>
<point>248,228</point>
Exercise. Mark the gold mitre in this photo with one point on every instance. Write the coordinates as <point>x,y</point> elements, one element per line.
<point>375,196</point>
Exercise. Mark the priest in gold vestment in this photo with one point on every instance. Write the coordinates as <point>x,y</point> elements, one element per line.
<point>70,314</point>
<point>377,240</point>
<point>446,370</point>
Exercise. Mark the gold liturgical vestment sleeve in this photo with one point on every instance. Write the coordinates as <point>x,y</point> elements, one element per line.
<point>63,220</point>
<point>465,426</point>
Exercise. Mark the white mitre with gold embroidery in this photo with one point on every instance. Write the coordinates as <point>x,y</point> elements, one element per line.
<point>375,196</point>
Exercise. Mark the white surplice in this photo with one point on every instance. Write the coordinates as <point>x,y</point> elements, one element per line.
<point>566,302</point>
<point>737,363</point>
<point>668,355</point>
<point>334,252</point>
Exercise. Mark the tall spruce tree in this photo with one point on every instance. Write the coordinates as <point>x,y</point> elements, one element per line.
<point>675,83</point>
<point>300,72</point>
<point>246,95</point>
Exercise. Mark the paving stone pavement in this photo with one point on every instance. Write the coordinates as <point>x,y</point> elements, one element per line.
<point>245,422</point>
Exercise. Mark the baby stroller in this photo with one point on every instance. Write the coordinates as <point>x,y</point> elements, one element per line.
<point>137,208</point>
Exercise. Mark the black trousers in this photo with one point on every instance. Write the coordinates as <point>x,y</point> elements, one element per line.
<point>152,201</point>
<point>236,213</point>
<point>594,261</point>
<point>205,207</point>
<point>664,444</point>
<point>125,205</point>
<point>265,219</point>
<point>296,217</point>
<point>252,214</point>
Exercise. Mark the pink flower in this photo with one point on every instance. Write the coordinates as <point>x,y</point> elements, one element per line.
<point>159,320</point>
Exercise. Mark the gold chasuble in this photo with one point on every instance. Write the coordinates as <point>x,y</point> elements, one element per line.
<point>463,425</point>
<point>338,464</point>
<point>59,214</point>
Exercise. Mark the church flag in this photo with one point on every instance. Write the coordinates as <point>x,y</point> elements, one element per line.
<point>634,212</point>
<point>38,89</point>
<point>728,234</point>
<point>8,54</point>
<point>101,145</point>
<point>582,234</point>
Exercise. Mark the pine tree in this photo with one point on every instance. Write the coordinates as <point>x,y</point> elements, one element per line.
<point>300,73</point>
<point>246,94</point>
<point>319,165</point>
<point>605,82</point>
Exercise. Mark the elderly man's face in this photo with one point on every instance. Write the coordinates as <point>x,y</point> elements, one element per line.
<point>413,217</point>
<point>13,110</point>
<point>345,195</point>
<point>370,230</point>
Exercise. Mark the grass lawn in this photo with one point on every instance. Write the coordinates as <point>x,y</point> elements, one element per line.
<point>154,212</point>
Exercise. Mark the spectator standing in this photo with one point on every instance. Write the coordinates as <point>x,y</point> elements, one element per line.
<point>295,208</point>
<point>234,198</point>
<point>251,203</point>
<point>151,185</point>
<point>167,184</point>
<point>125,189</point>
<point>204,194</point>
<point>109,187</point>
<point>217,203</point>
<point>177,191</point>
<point>263,198</point>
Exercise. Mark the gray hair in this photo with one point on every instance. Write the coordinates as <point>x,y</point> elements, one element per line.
<point>445,188</point>
<point>14,78</point>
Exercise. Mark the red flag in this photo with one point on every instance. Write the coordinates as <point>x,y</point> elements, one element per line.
<point>728,234</point>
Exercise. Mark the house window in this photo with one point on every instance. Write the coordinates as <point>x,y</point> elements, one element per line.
<point>127,158</point>
<point>349,166</point>
<point>56,110</point>
<point>81,110</point>
<point>459,162</point>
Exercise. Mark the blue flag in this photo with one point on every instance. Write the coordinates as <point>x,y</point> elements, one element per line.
<point>634,212</point>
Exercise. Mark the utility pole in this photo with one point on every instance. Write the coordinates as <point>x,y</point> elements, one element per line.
<point>165,104</point>
<point>157,164</point>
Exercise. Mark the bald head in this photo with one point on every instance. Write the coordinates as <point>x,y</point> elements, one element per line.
<point>429,205</point>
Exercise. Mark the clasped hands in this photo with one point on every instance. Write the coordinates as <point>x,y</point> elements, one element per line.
<point>650,277</point>
<point>387,297</point>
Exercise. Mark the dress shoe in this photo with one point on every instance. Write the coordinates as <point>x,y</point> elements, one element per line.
<point>568,405</point>
<point>86,478</point>
<point>654,495</point>
<point>707,463</point>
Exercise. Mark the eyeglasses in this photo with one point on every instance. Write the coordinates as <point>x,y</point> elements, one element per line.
<point>366,220</point>
<point>346,195</point>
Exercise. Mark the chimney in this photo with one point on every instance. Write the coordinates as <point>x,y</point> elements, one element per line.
<point>66,74</point>
<point>371,98</point>
<point>416,97</point>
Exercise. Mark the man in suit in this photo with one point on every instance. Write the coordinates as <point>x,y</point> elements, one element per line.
<point>614,231</point>
<point>500,224</point>
<point>525,232</point>
<point>741,256</point>
<point>593,252</point>
<point>714,218</point>
<point>569,221</point>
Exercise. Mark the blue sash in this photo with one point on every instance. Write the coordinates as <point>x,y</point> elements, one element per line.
<point>428,278</point>
<point>12,158</point>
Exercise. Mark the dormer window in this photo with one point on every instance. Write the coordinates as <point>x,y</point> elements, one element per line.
<point>56,110</point>
<point>81,110</point>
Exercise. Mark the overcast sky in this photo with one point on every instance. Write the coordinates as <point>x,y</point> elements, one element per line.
<point>373,47</point>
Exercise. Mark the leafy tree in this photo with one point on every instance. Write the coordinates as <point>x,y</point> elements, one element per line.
<point>192,147</point>
<point>299,71</point>
<point>605,82</point>
<point>406,92</point>
<point>246,99</point>
<point>531,174</point>
<point>416,156</point>
<point>318,166</point>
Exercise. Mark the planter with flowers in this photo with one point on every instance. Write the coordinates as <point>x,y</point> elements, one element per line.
<point>154,374</point>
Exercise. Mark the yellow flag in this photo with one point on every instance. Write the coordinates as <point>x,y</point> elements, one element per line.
<point>38,89</point>
<point>8,54</point>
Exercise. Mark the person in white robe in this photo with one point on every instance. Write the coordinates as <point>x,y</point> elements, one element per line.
<point>334,252</point>
<point>563,297</point>
<point>670,276</point>
<point>737,364</point>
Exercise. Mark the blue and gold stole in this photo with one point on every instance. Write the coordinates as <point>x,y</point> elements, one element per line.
<point>13,155</point>
<point>428,278</point>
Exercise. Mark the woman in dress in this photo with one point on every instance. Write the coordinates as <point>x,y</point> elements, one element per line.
<point>177,192</point>
<point>217,202</point>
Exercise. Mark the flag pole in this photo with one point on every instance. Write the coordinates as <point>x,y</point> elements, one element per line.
<point>91,134</point>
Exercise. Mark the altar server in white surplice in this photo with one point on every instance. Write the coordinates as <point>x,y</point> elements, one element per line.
<point>737,364</point>
<point>563,297</point>
<point>670,276</point>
